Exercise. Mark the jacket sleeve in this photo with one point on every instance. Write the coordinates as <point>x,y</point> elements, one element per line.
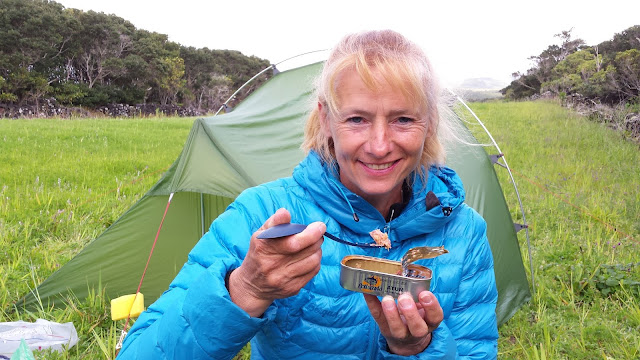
<point>473,317</point>
<point>195,318</point>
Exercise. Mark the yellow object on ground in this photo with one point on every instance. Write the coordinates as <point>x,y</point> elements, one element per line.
<point>127,305</point>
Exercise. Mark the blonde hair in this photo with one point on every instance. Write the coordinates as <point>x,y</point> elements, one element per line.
<point>401,63</point>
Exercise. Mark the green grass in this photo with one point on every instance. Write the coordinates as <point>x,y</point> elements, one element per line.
<point>62,182</point>
<point>580,185</point>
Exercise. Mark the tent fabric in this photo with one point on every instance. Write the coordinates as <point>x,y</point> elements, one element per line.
<point>257,142</point>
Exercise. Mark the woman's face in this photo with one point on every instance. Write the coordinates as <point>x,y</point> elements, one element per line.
<point>378,138</point>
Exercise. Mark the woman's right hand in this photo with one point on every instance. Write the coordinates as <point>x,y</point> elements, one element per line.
<point>276,268</point>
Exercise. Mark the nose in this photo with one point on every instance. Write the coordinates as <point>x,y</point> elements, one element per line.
<point>379,143</point>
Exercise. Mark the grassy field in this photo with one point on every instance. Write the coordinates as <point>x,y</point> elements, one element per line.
<point>580,185</point>
<point>62,182</point>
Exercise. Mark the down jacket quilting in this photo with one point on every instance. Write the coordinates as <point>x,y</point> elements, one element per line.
<point>195,318</point>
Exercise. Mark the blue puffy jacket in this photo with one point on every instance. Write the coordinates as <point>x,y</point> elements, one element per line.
<point>195,318</point>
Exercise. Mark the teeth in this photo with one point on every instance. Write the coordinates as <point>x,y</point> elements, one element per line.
<point>379,166</point>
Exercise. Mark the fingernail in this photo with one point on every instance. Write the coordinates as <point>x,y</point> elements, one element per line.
<point>426,298</point>
<point>388,303</point>
<point>405,301</point>
<point>318,226</point>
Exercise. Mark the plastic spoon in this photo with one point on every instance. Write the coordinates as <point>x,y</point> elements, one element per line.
<point>282,230</point>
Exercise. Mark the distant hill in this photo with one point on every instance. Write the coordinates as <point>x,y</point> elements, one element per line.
<point>483,83</point>
<point>480,89</point>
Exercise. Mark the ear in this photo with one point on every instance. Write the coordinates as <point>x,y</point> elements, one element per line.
<point>324,120</point>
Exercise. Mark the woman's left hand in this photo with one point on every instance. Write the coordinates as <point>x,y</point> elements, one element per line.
<point>408,325</point>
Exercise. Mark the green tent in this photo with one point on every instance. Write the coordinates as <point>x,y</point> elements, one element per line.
<point>256,142</point>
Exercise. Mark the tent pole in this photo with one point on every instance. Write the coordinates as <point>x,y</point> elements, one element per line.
<point>241,87</point>
<point>202,214</point>
<point>293,57</point>
<point>272,66</point>
<point>513,181</point>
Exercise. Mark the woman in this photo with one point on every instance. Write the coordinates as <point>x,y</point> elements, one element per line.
<point>374,162</point>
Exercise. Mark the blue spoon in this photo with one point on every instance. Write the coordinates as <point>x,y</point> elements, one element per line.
<point>282,230</point>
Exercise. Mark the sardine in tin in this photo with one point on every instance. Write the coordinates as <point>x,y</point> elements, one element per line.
<point>381,277</point>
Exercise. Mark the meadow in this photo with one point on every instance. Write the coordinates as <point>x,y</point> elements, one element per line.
<point>580,185</point>
<point>64,181</point>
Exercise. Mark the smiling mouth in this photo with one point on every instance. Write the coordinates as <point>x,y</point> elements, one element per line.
<point>379,166</point>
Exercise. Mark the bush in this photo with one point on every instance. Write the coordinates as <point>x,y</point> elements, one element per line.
<point>102,95</point>
<point>70,93</point>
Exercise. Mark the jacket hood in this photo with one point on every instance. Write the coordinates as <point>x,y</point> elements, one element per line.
<point>422,215</point>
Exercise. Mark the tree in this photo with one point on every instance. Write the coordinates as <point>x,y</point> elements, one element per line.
<point>206,83</point>
<point>522,86</point>
<point>152,49</point>
<point>240,68</point>
<point>91,59</point>
<point>543,70</point>
<point>568,46</point>
<point>627,64</point>
<point>5,94</point>
<point>623,41</point>
<point>104,40</point>
<point>36,37</point>
<point>171,80</point>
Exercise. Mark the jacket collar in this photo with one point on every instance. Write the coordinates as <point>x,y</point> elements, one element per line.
<point>331,195</point>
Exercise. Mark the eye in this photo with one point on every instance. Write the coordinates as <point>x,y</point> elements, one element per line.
<point>404,119</point>
<point>355,119</point>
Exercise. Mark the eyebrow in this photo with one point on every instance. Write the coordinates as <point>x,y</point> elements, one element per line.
<point>392,113</point>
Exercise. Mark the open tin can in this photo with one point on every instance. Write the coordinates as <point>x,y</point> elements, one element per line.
<point>382,277</point>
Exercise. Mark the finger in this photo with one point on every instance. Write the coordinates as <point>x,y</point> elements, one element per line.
<point>285,279</point>
<point>268,246</point>
<point>420,309</point>
<point>281,216</point>
<point>415,323</point>
<point>310,239</point>
<point>300,277</point>
<point>298,246</point>
<point>305,266</point>
<point>433,314</point>
<point>292,286</point>
<point>397,328</point>
<point>375,308</point>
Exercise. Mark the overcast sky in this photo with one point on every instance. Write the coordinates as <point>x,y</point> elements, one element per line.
<point>464,39</point>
